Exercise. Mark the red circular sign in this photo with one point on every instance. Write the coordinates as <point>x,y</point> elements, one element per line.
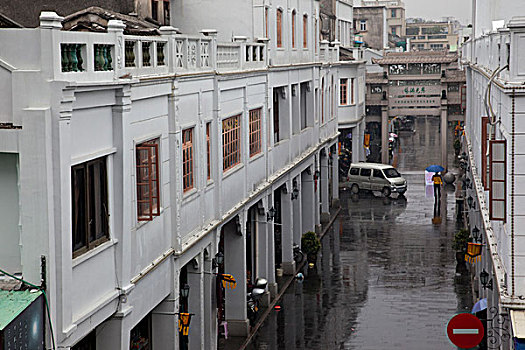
<point>465,331</point>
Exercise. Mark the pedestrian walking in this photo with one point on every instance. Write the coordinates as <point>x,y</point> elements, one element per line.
<point>438,181</point>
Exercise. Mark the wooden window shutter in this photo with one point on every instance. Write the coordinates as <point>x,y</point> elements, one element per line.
<point>148,203</point>
<point>279,28</point>
<point>484,145</point>
<point>498,173</point>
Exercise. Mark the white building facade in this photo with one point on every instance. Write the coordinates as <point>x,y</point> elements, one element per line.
<point>130,164</point>
<point>493,140</point>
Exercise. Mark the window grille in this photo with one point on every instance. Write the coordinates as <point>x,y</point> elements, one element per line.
<point>148,194</point>
<point>90,205</point>
<point>352,89</point>
<point>293,28</point>
<point>187,160</point>
<point>231,142</point>
<point>315,34</point>
<point>154,10</point>
<point>279,28</point>
<point>208,149</point>
<point>266,21</point>
<point>255,131</point>
<point>305,31</point>
<point>343,92</point>
<point>498,173</point>
<point>322,101</point>
<point>485,127</point>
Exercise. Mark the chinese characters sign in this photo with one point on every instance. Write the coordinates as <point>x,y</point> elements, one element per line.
<point>414,90</point>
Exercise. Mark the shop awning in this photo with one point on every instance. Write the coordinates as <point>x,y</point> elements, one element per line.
<point>517,319</point>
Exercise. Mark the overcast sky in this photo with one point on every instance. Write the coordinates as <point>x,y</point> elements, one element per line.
<point>435,9</point>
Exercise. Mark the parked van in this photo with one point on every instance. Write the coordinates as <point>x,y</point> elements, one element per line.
<point>376,177</point>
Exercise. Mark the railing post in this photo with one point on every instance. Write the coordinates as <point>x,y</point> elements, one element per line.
<point>324,50</point>
<point>169,32</point>
<point>265,41</point>
<point>242,47</point>
<point>50,26</point>
<point>335,51</point>
<point>517,41</point>
<point>116,29</point>
<point>212,49</point>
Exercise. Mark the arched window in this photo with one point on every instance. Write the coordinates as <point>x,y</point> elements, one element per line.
<point>266,21</point>
<point>332,103</point>
<point>322,100</point>
<point>293,28</point>
<point>305,31</point>
<point>279,28</point>
<point>315,35</point>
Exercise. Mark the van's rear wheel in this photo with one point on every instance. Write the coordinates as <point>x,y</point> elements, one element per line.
<point>386,192</point>
<point>355,189</point>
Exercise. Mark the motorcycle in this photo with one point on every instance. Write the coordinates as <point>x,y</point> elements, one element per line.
<point>298,254</point>
<point>254,295</point>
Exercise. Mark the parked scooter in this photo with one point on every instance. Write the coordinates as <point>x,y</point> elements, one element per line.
<point>298,254</point>
<point>253,297</point>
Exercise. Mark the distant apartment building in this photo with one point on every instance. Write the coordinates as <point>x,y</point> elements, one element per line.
<point>336,21</point>
<point>370,23</point>
<point>395,14</point>
<point>425,36</point>
<point>151,174</point>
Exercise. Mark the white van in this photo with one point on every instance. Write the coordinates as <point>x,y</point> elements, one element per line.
<point>375,177</point>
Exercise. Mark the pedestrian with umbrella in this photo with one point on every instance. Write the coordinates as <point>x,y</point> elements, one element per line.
<point>436,179</point>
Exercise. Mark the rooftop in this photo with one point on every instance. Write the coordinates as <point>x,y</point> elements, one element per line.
<point>416,57</point>
<point>12,303</point>
<point>374,78</point>
<point>95,19</point>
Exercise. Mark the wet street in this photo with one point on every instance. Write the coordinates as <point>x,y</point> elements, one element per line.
<point>386,276</point>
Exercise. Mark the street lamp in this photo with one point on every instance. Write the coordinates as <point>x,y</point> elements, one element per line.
<point>470,200</point>
<point>467,182</point>
<point>295,191</point>
<point>484,279</point>
<point>476,234</point>
<point>271,214</point>
<point>185,291</point>
<point>218,260</point>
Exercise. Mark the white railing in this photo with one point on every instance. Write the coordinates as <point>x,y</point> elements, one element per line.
<point>87,56</point>
<point>498,49</point>
<point>91,57</point>
<point>228,56</point>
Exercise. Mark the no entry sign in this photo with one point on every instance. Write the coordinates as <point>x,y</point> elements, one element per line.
<point>465,330</point>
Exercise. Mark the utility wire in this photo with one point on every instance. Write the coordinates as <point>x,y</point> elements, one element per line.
<point>45,298</point>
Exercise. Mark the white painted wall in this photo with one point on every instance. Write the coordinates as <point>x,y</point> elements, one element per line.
<point>487,11</point>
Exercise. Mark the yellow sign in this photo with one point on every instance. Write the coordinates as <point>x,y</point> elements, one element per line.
<point>367,140</point>
<point>228,281</point>
<point>184,322</point>
<point>473,252</point>
<point>230,123</point>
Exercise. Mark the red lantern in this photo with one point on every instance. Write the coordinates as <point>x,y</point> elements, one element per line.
<point>473,252</point>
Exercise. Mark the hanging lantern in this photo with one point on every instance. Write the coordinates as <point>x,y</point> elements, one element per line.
<point>228,281</point>
<point>184,322</point>
<point>473,252</point>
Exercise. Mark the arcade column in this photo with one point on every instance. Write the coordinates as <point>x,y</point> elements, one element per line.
<point>444,132</point>
<point>384,134</point>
